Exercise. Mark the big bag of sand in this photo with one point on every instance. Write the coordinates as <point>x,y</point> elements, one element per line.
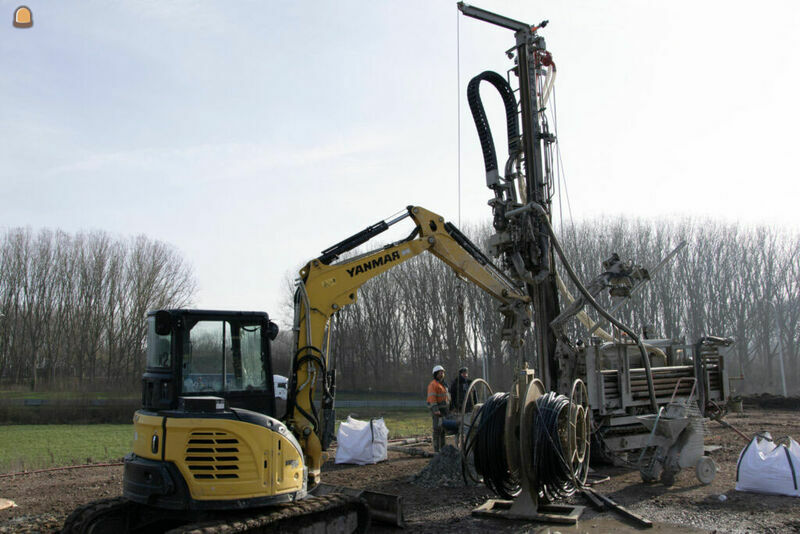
<point>765,467</point>
<point>361,442</point>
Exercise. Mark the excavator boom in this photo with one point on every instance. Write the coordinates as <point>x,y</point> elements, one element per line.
<point>325,287</point>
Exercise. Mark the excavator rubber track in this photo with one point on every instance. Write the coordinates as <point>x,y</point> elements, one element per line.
<point>106,513</point>
<point>329,514</point>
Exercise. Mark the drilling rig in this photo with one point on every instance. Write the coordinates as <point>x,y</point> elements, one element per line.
<point>618,384</point>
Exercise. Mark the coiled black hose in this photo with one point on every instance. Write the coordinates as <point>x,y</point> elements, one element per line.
<point>485,441</point>
<point>554,476</point>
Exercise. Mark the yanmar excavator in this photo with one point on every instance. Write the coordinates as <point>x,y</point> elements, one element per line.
<point>209,450</point>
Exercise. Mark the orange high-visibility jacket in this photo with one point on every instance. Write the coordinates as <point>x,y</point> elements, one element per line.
<point>437,393</point>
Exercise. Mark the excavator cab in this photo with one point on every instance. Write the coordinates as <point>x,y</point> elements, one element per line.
<point>206,442</point>
<point>192,353</point>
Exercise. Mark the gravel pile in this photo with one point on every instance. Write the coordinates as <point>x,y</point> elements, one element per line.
<point>444,470</point>
<point>33,524</point>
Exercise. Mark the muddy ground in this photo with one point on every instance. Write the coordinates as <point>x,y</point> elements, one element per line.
<point>44,499</point>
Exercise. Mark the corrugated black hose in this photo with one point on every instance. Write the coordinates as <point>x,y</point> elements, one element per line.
<point>482,123</point>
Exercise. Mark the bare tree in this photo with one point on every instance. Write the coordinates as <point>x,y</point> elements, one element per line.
<point>74,307</point>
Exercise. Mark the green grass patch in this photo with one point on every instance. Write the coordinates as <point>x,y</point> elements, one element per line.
<point>378,395</point>
<point>402,423</point>
<point>78,413</point>
<point>12,394</point>
<point>28,447</point>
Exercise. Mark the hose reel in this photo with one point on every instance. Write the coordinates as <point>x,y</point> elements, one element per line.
<point>530,447</point>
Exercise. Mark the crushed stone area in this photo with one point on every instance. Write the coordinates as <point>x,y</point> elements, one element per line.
<point>45,499</point>
<point>442,471</point>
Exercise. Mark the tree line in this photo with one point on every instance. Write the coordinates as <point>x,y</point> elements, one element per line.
<point>729,281</point>
<point>73,306</point>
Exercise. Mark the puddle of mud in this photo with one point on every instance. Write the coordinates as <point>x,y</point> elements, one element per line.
<point>599,525</point>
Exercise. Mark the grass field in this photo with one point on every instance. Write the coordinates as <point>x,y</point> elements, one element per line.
<point>25,393</point>
<point>401,423</point>
<point>29,447</point>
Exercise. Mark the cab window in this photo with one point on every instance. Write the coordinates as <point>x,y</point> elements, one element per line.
<point>223,356</point>
<point>158,347</point>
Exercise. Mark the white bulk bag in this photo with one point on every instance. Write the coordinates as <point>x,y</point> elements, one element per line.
<point>361,442</point>
<point>764,467</point>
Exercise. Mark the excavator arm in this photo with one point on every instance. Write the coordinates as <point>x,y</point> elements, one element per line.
<point>326,286</point>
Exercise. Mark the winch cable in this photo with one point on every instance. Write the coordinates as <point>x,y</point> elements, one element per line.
<point>559,174</point>
<point>458,105</point>
<point>485,441</point>
<point>560,166</point>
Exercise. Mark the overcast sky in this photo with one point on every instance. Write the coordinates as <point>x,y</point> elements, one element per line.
<point>252,135</point>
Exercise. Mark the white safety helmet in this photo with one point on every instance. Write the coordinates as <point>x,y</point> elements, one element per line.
<point>437,368</point>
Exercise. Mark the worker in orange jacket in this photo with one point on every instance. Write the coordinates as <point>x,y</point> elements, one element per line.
<point>438,402</point>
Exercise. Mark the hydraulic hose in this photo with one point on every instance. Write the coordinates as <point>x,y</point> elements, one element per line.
<point>590,299</point>
<point>312,359</point>
<point>584,318</point>
<point>301,295</point>
<point>482,123</point>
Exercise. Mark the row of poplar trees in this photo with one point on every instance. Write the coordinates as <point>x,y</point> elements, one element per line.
<point>729,281</point>
<point>73,306</point>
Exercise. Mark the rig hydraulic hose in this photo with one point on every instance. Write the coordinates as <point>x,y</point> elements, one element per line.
<point>590,299</point>
<point>584,318</point>
<point>482,123</point>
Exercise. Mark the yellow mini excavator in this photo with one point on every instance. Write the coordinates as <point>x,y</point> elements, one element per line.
<point>209,450</point>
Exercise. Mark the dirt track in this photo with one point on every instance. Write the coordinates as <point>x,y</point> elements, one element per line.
<point>45,499</point>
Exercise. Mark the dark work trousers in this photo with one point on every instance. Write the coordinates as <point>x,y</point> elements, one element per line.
<point>438,427</point>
